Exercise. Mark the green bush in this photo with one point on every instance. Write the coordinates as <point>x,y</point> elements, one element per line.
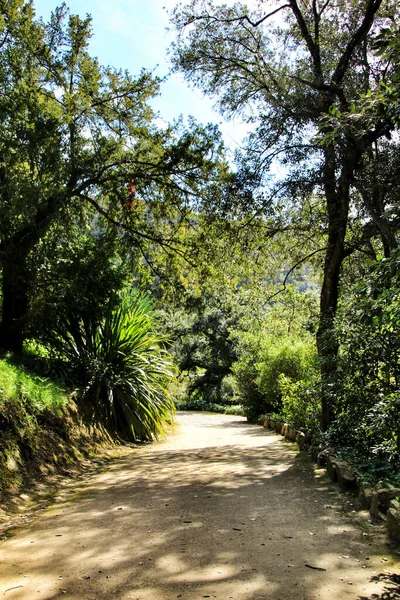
<point>295,359</point>
<point>266,370</point>
<point>122,367</point>
<point>368,387</point>
<point>301,402</point>
<point>198,404</point>
<point>229,392</point>
<point>245,372</point>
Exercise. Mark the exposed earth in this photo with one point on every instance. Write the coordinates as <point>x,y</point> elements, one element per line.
<point>221,509</point>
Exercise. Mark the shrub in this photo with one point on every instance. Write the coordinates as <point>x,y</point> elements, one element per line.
<point>198,404</point>
<point>301,402</point>
<point>123,368</point>
<point>245,372</point>
<point>267,369</point>
<point>294,359</point>
<point>368,389</point>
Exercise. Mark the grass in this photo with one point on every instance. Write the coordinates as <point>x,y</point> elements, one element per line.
<point>40,393</point>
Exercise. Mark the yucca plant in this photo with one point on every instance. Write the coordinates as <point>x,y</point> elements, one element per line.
<point>123,368</point>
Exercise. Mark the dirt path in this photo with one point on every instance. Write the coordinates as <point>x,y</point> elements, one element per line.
<point>222,509</point>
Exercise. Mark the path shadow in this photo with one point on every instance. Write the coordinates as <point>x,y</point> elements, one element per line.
<point>192,523</point>
<point>392,587</point>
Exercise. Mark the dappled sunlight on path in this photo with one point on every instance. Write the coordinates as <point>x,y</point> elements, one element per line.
<point>222,509</point>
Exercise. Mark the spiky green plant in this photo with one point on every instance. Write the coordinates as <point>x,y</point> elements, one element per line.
<point>123,367</point>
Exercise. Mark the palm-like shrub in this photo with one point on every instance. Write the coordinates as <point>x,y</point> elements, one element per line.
<point>122,368</point>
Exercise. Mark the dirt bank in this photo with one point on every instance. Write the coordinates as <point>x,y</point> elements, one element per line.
<point>222,509</point>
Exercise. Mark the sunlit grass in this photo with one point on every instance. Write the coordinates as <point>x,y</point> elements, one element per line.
<point>18,384</point>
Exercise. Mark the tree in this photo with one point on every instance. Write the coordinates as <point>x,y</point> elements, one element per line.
<point>288,67</point>
<point>78,142</point>
<point>76,275</point>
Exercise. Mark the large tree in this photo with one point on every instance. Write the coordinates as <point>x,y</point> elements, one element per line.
<point>78,142</point>
<point>286,66</point>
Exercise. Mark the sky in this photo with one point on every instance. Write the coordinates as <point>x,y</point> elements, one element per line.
<point>131,34</point>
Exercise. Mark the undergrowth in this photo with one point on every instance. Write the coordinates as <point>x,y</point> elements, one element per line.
<point>202,405</point>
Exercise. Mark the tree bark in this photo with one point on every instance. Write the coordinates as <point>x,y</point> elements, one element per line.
<point>15,287</point>
<point>17,276</point>
<point>337,195</point>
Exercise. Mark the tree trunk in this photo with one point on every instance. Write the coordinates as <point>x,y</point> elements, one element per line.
<point>15,303</point>
<point>337,195</point>
<point>17,277</point>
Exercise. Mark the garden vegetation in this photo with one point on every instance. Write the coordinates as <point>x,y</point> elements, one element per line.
<point>140,270</point>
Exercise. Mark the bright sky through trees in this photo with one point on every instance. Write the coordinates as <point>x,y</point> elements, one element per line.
<point>131,34</point>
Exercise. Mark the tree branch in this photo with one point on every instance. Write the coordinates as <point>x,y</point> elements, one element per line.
<point>301,261</point>
<point>311,45</point>
<point>371,8</point>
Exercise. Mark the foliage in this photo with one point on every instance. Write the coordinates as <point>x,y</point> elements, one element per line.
<point>293,359</point>
<point>378,104</point>
<point>198,404</point>
<point>201,343</point>
<point>371,470</point>
<point>228,294</point>
<point>271,372</point>
<point>280,343</point>
<point>80,149</point>
<point>122,368</point>
<point>369,375</point>
<point>76,276</point>
<point>283,69</point>
<point>301,402</point>
<point>245,372</point>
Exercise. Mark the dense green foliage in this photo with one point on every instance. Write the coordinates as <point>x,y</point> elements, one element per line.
<point>90,185</point>
<point>287,70</point>
<point>81,155</point>
<point>369,384</point>
<point>98,200</point>
<point>121,368</point>
<point>270,369</point>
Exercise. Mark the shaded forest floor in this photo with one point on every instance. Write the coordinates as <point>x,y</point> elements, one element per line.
<point>222,509</point>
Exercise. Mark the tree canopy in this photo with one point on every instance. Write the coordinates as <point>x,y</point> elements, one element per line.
<point>292,69</point>
<point>80,145</point>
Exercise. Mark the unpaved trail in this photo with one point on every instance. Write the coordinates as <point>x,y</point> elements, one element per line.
<point>222,509</point>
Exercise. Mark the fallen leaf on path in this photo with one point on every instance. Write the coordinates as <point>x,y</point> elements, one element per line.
<point>315,568</point>
<point>13,588</point>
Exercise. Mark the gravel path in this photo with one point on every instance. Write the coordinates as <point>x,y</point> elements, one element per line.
<point>222,509</point>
